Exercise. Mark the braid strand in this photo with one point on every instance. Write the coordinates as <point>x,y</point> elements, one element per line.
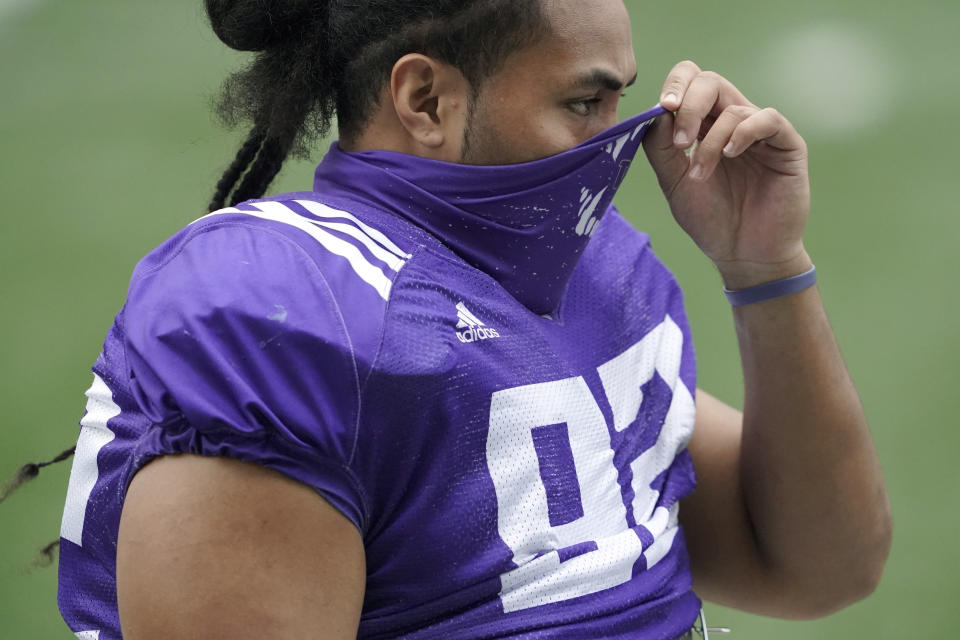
<point>248,151</point>
<point>29,471</point>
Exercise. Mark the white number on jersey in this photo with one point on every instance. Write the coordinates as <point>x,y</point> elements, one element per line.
<point>567,524</point>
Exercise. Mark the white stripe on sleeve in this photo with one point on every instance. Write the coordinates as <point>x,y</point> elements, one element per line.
<point>323,211</point>
<point>94,436</point>
<point>278,212</point>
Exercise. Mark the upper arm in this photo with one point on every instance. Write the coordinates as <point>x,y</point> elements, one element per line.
<point>725,557</point>
<point>217,548</point>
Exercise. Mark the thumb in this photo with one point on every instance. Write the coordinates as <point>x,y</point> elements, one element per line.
<point>669,163</point>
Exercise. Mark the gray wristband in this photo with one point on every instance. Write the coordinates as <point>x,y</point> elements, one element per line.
<point>772,290</point>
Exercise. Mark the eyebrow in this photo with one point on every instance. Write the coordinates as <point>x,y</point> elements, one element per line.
<point>601,78</point>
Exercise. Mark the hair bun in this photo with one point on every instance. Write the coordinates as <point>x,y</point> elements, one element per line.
<point>255,25</point>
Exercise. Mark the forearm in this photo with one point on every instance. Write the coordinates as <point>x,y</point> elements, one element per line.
<point>791,497</point>
<point>811,478</point>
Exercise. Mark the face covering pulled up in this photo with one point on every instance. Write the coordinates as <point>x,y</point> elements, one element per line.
<point>525,225</point>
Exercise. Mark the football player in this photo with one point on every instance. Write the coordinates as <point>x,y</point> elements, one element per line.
<point>448,391</point>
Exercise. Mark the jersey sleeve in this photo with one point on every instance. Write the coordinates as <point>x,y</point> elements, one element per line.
<point>236,346</point>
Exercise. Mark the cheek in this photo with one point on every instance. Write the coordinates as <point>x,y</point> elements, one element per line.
<point>563,131</point>
<point>551,131</point>
<point>514,132</point>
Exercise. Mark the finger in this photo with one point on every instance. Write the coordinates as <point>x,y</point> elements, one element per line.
<point>710,150</point>
<point>669,163</point>
<point>768,125</point>
<point>708,95</point>
<point>675,86</point>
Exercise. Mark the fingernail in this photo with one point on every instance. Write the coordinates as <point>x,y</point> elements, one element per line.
<point>670,97</point>
<point>681,138</point>
<point>728,150</point>
<point>697,172</point>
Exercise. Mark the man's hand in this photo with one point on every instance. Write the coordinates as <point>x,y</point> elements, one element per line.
<point>743,192</point>
<point>790,517</point>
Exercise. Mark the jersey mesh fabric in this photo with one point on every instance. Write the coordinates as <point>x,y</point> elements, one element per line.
<point>512,475</point>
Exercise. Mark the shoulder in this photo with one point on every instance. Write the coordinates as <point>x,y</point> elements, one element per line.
<point>246,333</point>
<point>292,261</point>
<point>615,229</point>
<point>621,282</point>
<point>618,250</point>
<point>270,234</point>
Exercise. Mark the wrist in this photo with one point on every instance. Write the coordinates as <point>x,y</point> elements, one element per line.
<point>739,275</point>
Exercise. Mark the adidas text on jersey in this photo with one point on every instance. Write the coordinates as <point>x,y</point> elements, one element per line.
<point>470,328</point>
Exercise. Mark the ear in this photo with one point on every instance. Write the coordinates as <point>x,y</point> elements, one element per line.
<point>431,100</point>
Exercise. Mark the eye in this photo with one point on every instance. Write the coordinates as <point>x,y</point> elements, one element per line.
<point>584,107</point>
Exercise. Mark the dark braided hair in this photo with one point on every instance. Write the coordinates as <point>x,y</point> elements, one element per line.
<point>26,473</point>
<point>29,471</point>
<point>317,59</point>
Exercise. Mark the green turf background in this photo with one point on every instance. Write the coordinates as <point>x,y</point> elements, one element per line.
<point>108,148</point>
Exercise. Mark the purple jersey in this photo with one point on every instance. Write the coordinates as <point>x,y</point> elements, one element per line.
<point>512,455</point>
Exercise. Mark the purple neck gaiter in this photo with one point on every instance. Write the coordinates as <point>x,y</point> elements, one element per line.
<point>525,225</point>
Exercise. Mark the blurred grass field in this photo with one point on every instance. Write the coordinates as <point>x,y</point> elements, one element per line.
<point>108,148</point>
